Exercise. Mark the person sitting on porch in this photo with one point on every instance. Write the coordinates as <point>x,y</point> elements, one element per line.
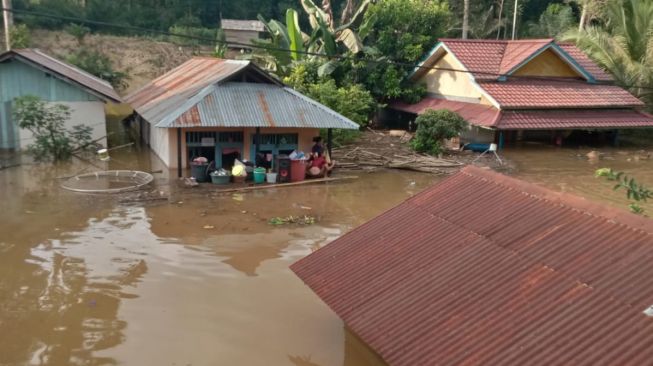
<point>320,166</point>
<point>317,146</point>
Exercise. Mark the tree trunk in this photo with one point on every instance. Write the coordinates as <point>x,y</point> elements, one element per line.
<point>514,20</point>
<point>500,18</point>
<point>465,18</point>
<point>583,17</point>
<point>8,18</point>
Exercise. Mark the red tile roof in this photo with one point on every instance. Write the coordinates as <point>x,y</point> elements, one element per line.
<point>490,59</point>
<point>585,62</point>
<point>477,114</point>
<point>483,269</point>
<point>573,119</point>
<point>525,94</point>
<point>483,115</point>
<point>519,51</point>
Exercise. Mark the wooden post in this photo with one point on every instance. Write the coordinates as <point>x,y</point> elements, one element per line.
<point>257,141</point>
<point>179,152</point>
<point>501,140</point>
<point>514,20</point>
<point>8,18</point>
<point>329,141</point>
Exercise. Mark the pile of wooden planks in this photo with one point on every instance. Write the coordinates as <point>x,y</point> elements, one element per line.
<point>358,157</point>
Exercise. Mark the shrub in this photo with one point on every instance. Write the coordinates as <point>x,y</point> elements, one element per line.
<point>98,64</point>
<point>435,126</point>
<point>47,124</point>
<point>20,36</point>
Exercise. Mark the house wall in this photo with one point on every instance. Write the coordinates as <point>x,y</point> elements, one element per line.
<point>547,64</point>
<point>163,141</point>
<point>86,113</point>
<point>240,36</point>
<point>19,79</point>
<point>456,85</point>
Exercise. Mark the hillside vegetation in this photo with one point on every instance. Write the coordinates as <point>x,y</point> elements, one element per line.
<point>141,59</point>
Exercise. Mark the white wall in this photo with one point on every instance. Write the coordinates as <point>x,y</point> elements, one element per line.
<point>163,143</point>
<point>87,113</point>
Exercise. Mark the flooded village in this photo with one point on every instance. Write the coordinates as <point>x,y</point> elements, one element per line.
<point>274,191</point>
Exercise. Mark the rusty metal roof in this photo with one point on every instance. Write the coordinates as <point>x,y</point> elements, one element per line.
<point>237,24</point>
<point>484,269</point>
<point>199,93</point>
<point>64,71</point>
<point>237,104</point>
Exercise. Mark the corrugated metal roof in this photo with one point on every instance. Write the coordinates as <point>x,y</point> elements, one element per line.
<point>484,269</point>
<point>165,95</point>
<point>198,93</point>
<point>237,104</point>
<point>237,24</point>
<point>65,71</point>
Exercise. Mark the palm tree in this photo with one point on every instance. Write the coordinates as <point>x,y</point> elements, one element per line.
<point>623,45</point>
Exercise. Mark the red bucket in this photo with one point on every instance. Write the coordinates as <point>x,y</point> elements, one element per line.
<point>297,170</point>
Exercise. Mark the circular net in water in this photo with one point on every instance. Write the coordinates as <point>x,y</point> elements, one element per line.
<point>110,181</point>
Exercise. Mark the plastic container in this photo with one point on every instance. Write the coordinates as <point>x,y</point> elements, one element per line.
<point>239,178</point>
<point>220,179</point>
<point>199,171</point>
<point>297,170</point>
<point>271,178</point>
<point>259,175</point>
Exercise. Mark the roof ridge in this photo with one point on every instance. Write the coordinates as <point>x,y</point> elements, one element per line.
<point>571,201</point>
<point>70,66</point>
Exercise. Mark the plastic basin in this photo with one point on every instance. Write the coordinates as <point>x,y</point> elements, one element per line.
<point>220,179</point>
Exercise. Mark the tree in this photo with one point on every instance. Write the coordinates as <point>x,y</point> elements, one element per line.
<point>556,20</point>
<point>433,126</point>
<point>404,30</point>
<point>47,123</point>
<point>623,45</point>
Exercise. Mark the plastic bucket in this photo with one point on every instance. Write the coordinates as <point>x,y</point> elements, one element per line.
<point>199,172</point>
<point>220,179</point>
<point>297,170</point>
<point>259,175</point>
<point>271,178</point>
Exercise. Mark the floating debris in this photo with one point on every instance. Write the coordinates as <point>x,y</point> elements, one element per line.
<point>300,220</point>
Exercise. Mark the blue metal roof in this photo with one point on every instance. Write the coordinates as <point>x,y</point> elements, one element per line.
<point>245,104</point>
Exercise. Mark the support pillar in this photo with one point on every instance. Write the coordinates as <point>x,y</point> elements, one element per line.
<point>179,152</point>
<point>329,141</point>
<point>257,142</point>
<point>502,140</point>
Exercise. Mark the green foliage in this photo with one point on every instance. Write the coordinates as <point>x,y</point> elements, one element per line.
<point>47,123</point>
<point>221,47</point>
<point>433,127</point>
<point>556,20</point>
<point>78,31</point>
<point>352,101</point>
<point>634,191</point>
<point>20,36</point>
<point>98,64</point>
<point>623,44</point>
<point>404,30</point>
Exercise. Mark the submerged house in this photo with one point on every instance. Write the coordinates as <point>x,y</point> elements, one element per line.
<point>484,269</point>
<point>32,72</point>
<point>524,89</point>
<point>223,110</point>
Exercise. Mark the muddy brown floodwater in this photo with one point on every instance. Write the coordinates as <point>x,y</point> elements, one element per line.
<point>88,280</point>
